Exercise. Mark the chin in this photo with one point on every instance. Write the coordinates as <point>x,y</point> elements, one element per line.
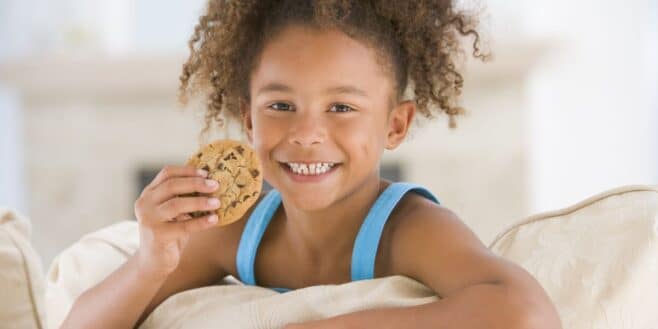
<point>306,201</point>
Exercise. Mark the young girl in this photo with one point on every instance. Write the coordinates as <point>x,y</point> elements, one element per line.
<point>319,89</point>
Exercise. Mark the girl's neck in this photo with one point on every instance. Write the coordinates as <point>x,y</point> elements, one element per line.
<point>330,232</point>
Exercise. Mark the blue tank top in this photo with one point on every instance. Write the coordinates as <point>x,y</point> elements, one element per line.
<point>365,245</point>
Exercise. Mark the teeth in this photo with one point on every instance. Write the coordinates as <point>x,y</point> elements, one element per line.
<point>311,169</point>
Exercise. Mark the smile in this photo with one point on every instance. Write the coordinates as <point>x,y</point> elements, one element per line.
<point>317,168</point>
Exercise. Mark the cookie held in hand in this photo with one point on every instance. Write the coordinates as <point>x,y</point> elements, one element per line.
<point>237,169</point>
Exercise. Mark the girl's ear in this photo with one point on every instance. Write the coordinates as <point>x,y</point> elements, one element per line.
<point>399,121</point>
<point>247,125</point>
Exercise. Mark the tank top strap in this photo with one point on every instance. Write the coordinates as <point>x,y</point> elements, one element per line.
<point>253,233</point>
<point>367,240</point>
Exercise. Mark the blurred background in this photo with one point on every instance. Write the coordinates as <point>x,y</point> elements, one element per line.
<point>568,108</point>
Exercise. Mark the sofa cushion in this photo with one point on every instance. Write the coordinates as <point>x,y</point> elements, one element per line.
<point>21,277</point>
<point>86,263</point>
<point>597,259</point>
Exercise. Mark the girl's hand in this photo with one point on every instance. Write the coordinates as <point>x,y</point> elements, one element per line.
<point>164,221</point>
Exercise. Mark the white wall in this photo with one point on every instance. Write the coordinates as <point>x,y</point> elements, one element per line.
<point>12,177</point>
<point>592,112</point>
<point>79,27</point>
<point>651,60</point>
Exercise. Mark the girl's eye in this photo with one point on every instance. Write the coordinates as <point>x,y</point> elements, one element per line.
<point>340,108</point>
<point>280,107</point>
<point>343,108</point>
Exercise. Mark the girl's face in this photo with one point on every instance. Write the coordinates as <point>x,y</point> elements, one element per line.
<point>319,97</point>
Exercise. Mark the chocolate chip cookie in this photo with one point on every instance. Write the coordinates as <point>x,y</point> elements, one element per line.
<point>237,169</point>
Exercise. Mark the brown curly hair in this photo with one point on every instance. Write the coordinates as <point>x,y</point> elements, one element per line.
<point>417,41</point>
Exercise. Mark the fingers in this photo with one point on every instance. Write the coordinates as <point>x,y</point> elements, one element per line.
<point>197,224</point>
<point>176,186</point>
<point>181,218</point>
<point>175,171</point>
<point>170,197</point>
<point>181,205</point>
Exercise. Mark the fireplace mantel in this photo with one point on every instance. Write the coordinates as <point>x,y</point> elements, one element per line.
<point>62,77</point>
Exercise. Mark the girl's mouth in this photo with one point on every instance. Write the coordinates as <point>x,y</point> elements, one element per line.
<point>307,174</point>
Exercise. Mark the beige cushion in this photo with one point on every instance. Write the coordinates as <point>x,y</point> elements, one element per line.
<point>597,260</point>
<point>86,263</point>
<point>237,306</point>
<point>21,274</point>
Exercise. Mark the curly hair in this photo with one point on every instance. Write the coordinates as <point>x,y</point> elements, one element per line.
<point>417,41</point>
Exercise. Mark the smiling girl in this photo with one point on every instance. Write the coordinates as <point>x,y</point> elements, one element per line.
<point>319,87</point>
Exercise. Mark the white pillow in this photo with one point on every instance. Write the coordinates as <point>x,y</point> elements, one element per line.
<point>86,263</point>
<point>252,307</point>
<point>597,259</point>
<point>21,274</point>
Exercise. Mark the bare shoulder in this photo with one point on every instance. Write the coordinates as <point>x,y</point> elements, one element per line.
<point>228,239</point>
<point>415,213</point>
<point>213,251</point>
<point>435,247</point>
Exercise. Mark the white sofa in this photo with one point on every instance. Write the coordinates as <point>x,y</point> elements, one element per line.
<point>598,261</point>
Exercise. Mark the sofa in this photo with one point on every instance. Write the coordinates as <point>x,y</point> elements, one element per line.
<point>597,260</point>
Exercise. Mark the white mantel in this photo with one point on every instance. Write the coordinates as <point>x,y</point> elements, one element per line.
<point>139,74</point>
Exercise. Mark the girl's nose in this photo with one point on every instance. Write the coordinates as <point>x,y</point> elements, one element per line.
<point>306,130</point>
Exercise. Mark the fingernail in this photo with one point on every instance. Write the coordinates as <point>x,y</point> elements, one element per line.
<point>212,219</point>
<point>211,182</point>
<point>202,173</point>
<point>213,202</point>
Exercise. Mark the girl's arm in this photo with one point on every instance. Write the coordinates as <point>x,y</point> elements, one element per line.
<point>176,252</point>
<point>117,302</point>
<point>126,297</point>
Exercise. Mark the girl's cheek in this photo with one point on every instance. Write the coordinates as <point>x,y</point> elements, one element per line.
<point>272,130</point>
<point>262,125</point>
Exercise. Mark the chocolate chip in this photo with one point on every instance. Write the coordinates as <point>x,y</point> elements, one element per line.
<point>230,156</point>
<point>206,168</point>
<point>245,197</point>
<point>221,166</point>
<point>240,149</point>
<point>233,203</point>
<point>254,172</point>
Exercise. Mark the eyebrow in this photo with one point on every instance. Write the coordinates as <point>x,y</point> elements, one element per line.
<point>280,87</point>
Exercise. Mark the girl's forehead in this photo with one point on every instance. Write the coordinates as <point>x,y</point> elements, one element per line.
<point>308,57</point>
